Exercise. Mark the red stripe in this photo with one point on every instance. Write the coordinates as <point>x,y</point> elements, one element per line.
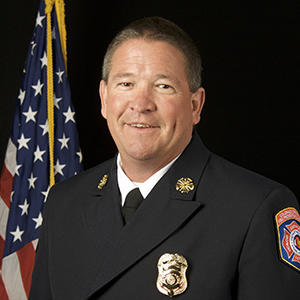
<point>3,293</point>
<point>26,258</point>
<point>6,185</point>
<point>2,243</point>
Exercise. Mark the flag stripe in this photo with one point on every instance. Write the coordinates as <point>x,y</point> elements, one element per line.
<point>2,241</point>
<point>26,258</point>
<point>12,279</point>
<point>10,157</point>
<point>3,293</point>
<point>6,184</point>
<point>35,243</point>
<point>4,211</point>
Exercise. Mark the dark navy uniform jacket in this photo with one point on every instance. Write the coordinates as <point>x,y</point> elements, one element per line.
<point>225,228</point>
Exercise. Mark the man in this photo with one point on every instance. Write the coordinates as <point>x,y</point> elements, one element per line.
<point>204,229</point>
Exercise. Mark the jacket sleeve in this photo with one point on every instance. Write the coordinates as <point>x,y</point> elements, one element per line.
<point>40,285</point>
<point>262,274</point>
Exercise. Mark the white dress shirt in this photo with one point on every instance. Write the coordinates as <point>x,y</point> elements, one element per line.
<point>126,185</point>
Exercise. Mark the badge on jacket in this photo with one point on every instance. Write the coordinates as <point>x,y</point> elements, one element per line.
<point>103,182</point>
<point>171,280</point>
<point>288,229</point>
<point>184,185</point>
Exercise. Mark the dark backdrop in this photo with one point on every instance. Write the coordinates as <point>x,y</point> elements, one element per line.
<point>251,58</point>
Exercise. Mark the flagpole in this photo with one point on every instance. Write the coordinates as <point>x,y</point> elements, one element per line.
<point>60,12</point>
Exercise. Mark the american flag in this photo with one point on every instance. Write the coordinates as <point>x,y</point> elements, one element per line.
<point>24,182</point>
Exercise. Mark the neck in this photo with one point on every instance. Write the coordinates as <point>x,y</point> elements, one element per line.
<point>141,170</point>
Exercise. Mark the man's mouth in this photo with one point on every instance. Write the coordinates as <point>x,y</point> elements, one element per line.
<point>141,125</point>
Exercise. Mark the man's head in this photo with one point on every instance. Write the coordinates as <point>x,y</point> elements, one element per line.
<point>148,102</point>
<point>159,29</point>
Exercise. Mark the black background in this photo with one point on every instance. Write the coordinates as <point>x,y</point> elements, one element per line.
<point>251,56</point>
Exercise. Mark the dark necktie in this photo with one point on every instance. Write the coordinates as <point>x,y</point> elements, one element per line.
<point>132,202</point>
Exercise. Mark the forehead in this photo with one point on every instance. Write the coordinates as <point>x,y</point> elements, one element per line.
<point>136,54</point>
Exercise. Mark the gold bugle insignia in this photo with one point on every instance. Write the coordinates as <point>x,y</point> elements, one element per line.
<point>184,185</point>
<point>103,182</point>
<point>171,280</point>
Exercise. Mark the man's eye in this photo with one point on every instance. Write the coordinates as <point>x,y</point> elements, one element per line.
<point>125,84</point>
<point>164,86</point>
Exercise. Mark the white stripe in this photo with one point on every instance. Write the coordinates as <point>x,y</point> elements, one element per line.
<point>11,157</point>
<point>35,243</point>
<point>12,277</point>
<point>4,211</point>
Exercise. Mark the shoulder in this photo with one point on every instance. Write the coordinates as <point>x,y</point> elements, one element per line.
<point>241,187</point>
<point>222,175</point>
<point>234,174</point>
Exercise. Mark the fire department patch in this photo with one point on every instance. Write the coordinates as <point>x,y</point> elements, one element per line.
<point>288,229</point>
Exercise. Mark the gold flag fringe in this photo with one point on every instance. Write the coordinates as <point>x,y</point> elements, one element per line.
<point>60,12</point>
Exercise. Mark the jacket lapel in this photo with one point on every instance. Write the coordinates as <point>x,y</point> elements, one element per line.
<point>161,213</point>
<point>102,212</point>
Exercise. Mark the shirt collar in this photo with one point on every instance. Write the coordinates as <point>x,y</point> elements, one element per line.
<point>126,185</point>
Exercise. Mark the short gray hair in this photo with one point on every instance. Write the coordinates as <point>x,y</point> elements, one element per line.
<point>159,29</point>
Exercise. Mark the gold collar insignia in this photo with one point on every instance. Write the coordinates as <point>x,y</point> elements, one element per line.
<point>184,185</point>
<point>103,182</point>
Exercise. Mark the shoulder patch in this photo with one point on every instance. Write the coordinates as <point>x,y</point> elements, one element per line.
<point>288,230</point>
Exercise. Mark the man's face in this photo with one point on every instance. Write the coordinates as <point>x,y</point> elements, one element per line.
<point>149,108</point>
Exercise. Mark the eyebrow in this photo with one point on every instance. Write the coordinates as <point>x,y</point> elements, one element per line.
<point>157,77</point>
<point>164,76</point>
<point>122,75</point>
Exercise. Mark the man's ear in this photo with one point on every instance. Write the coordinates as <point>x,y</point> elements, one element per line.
<point>103,97</point>
<point>198,99</point>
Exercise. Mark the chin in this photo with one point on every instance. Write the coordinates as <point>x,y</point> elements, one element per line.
<point>142,156</point>
<point>140,150</point>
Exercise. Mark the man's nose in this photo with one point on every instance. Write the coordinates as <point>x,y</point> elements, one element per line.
<point>143,100</point>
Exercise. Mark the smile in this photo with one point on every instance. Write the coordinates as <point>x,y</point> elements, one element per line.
<point>141,125</point>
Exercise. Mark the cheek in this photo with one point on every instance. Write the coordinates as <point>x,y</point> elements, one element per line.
<point>180,112</point>
<point>184,119</point>
<point>171,112</point>
<point>115,107</point>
